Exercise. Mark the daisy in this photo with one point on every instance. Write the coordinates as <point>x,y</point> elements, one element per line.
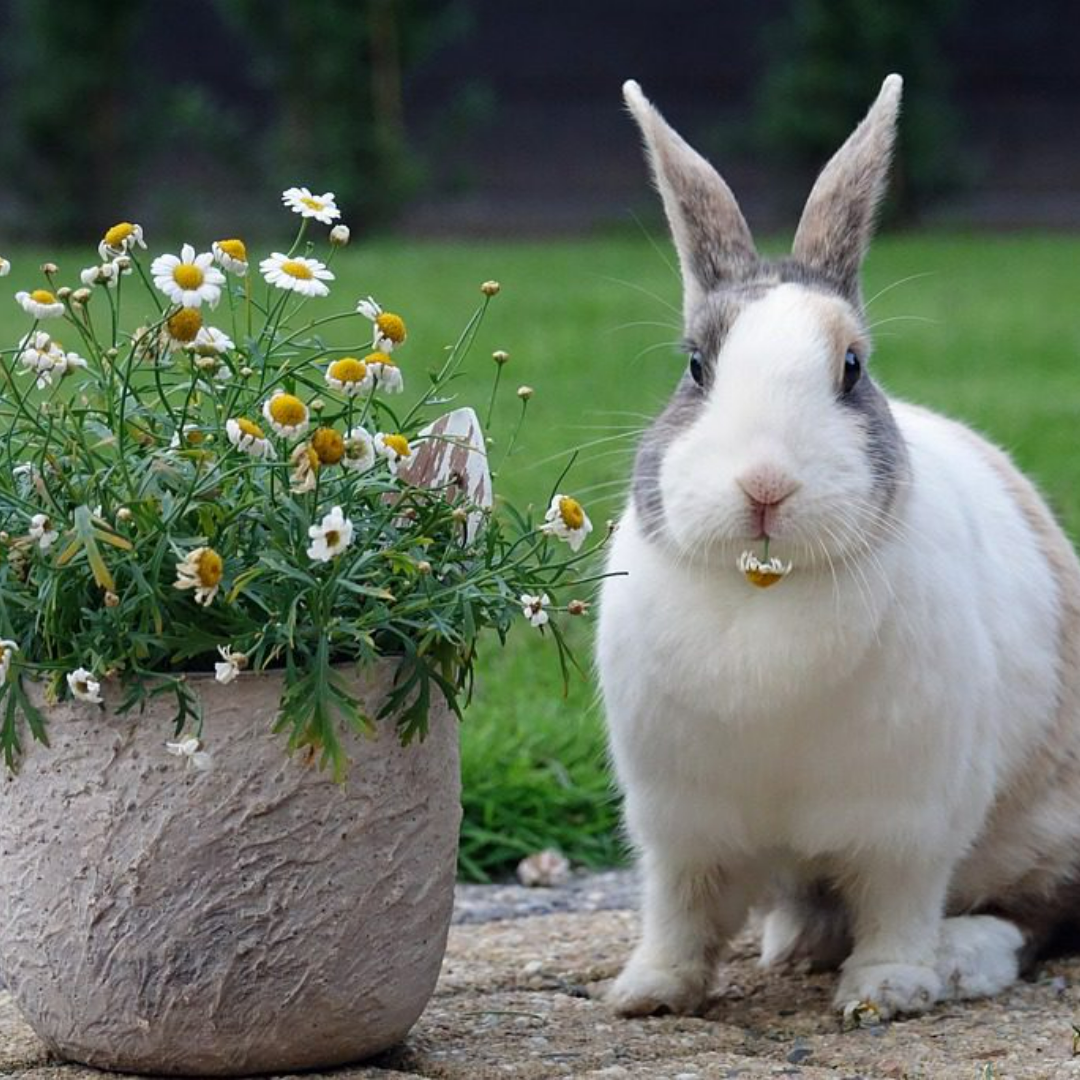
<point>106,274</point>
<point>330,537</point>
<point>230,665</point>
<point>120,239</point>
<point>188,279</point>
<point>567,520</point>
<point>329,445</point>
<point>210,341</point>
<point>387,374</point>
<point>189,747</point>
<point>388,328</point>
<point>201,569</point>
<point>534,608</point>
<point>320,207</point>
<point>762,574</point>
<point>395,448</point>
<point>84,686</point>
<point>231,255</point>
<point>248,437</point>
<point>8,649</point>
<point>182,328</point>
<point>40,303</point>
<point>359,450</point>
<point>286,414</point>
<point>191,437</point>
<point>50,362</point>
<point>305,474</point>
<point>42,532</point>
<point>298,274</point>
<point>350,376</point>
<point>5,267</point>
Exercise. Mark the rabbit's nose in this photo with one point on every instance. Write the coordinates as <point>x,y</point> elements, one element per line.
<point>767,486</point>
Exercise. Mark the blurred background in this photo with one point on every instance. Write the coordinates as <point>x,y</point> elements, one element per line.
<point>475,139</point>
<point>466,117</point>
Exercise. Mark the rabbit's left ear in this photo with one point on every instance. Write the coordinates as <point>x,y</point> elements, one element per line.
<point>836,224</point>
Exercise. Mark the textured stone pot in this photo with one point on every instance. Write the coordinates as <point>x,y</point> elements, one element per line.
<point>256,917</point>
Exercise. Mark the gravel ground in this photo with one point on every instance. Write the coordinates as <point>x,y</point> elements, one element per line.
<point>520,997</point>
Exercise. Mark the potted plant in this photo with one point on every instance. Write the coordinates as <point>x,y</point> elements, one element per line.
<point>241,590</point>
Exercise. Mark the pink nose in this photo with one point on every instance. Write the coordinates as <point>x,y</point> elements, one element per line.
<point>767,486</point>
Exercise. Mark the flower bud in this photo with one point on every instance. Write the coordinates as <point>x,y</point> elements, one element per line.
<point>339,235</point>
<point>123,263</point>
<point>500,357</point>
<point>63,293</point>
<point>112,353</point>
<point>317,405</point>
<point>525,392</point>
<point>79,296</point>
<point>577,607</point>
<point>490,288</point>
<point>123,514</point>
<point>423,566</point>
<point>111,599</point>
<point>50,268</point>
<point>246,372</point>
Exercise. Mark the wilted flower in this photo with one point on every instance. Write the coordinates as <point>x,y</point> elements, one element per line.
<point>297,274</point>
<point>120,239</point>
<point>42,532</point>
<point>84,686</point>
<point>190,748</point>
<point>567,520</point>
<point>248,436</point>
<point>320,207</point>
<point>388,328</point>
<point>201,569</point>
<point>40,303</point>
<point>330,537</point>
<point>230,665</point>
<point>359,450</point>
<point>305,474</point>
<point>231,255</point>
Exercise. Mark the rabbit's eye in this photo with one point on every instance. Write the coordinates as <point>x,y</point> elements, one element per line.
<point>697,368</point>
<point>852,370</point>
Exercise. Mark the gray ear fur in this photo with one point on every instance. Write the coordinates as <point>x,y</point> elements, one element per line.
<point>836,224</point>
<point>710,233</point>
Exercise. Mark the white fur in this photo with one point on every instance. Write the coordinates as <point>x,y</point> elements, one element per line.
<point>856,720</point>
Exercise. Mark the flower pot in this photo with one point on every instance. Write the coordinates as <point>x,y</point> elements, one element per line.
<point>254,917</point>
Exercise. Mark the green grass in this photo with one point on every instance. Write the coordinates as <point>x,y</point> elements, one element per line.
<point>987,329</point>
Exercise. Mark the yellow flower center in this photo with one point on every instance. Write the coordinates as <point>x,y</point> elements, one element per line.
<point>399,444</point>
<point>313,204</point>
<point>188,276</point>
<point>234,248</point>
<point>43,296</point>
<point>295,268</point>
<point>571,513</point>
<point>209,568</point>
<point>116,236</point>
<point>185,325</point>
<point>763,578</point>
<point>391,326</point>
<point>328,445</point>
<point>194,438</point>
<point>248,428</point>
<point>332,537</point>
<point>288,410</point>
<point>348,369</point>
<point>378,358</point>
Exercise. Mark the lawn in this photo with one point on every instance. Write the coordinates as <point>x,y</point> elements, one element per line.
<point>984,328</point>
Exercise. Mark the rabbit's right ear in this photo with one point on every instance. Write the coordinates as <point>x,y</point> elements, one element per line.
<point>710,233</point>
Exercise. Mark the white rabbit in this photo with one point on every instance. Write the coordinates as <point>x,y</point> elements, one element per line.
<point>882,751</point>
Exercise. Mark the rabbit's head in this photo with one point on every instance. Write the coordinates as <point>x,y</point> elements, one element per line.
<point>776,428</point>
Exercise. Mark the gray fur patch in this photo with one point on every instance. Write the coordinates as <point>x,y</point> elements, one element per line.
<point>885,445</point>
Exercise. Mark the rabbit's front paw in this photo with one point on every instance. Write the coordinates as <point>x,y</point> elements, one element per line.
<point>893,989</point>
<point>644,988</point>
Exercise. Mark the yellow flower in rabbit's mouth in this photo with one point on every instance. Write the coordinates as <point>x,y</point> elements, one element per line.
<point>762,574</point>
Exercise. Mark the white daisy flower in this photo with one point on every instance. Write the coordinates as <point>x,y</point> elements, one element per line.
<point>248,437</point>
<point>286,414</point>
<point>182,328</point>
<point>534,608</point>
<point>330,537</point>
<point>762,574</point>
<point>190,748</point>
<point>210,341</point>
<point>350,376</point>
<point>231,255</point>
<point>188,279</point>
<point>120,239</point>
<point>42,532</point>
<point>230,665</point>
<point>201,569</point>
<point>5,267</point>
<point>386,373</point>
<point>359,450</point>
<point>84,686</point>
<point>395,448</point>
<point>305,462</point>
<point>190,438</point>
<point>8,649</point>
<point>320,207</point>
<point>567,520</point>
<point>298,274</point>
<point>388,329</point>
<point>40,303</point>
<point>49,362</point>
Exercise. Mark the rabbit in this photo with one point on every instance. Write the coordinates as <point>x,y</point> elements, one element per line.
<point>880,753</point>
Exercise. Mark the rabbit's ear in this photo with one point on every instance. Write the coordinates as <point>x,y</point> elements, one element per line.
<point>836,224</point>
<point>710,233</point>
